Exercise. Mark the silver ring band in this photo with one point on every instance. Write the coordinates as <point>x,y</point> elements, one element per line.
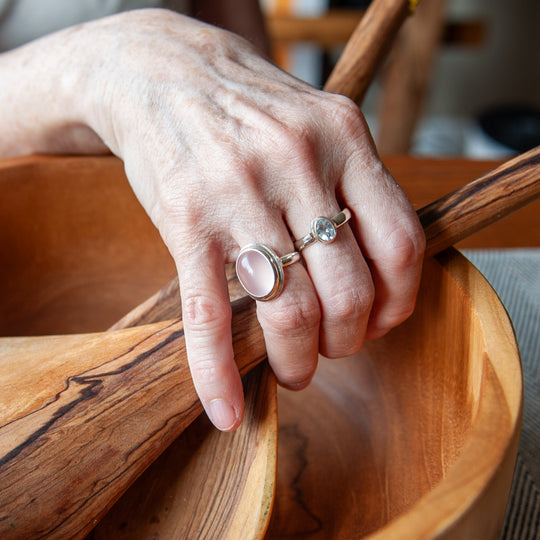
<point>323,230</point>
<point>290,258</point>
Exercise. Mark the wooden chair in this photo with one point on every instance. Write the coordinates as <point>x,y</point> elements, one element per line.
<point>406,77</point>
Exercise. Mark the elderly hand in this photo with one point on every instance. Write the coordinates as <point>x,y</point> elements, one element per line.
<point>223,149</point>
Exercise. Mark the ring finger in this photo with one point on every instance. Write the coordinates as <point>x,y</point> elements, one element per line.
<point>290,320</point>
<point>341,278</point>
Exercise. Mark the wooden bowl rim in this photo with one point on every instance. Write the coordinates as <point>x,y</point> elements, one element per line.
<point>430,517</point>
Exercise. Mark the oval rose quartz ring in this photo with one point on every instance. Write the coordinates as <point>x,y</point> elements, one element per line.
<point>260,271</point>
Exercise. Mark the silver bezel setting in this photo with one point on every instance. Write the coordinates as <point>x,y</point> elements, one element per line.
<point>328,224</point>
<point>277,268</point>
<point>313,236</point>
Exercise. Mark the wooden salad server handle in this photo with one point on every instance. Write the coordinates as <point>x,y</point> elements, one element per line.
<point>82,416</point>
<point>446,221</point>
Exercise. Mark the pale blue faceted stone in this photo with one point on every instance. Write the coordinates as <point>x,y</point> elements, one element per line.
<point>324,230</point>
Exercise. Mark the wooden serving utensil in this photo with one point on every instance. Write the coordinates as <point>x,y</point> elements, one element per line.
<point>82,416</point>
<point>446,221</point>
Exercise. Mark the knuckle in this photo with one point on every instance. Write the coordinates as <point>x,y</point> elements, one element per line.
<point>298,376</point>
<point>403,314</point>
<point>351,304</point>
<point>348,116</point>
<point>294,142</point>
<point>406,246</point>
<point>293,318</point>
<point>295,371</point>
<point>396,315</point>
<point>203,313</point>
<point>206,372</point>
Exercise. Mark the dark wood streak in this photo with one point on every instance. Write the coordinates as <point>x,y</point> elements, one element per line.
<point>131,406</point>
<point>90,385</point>
<point>468,195</point>
<point>481,202</point>
<point>190,412</point>
<point>85,394</point>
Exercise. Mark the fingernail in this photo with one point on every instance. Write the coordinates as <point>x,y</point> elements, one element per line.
<point>297,386</point>
<point>222,415</point>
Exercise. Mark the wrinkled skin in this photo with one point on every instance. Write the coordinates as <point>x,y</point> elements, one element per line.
<point>224,149</point>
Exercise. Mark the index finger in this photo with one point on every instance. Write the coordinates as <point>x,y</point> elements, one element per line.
<point>206,312</point>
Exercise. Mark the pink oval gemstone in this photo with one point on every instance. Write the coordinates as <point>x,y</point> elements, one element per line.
<point>255,272</point>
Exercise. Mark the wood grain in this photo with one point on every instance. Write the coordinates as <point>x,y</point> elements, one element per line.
<point>78,207</point>
<point>426,180</point>
<point>207,484</point>
<point>108,403</point>
<point>165,304</point>
<point>416,435</point>
<point>457,215</point>
<point>366,48</point>
<point>127,478</point>
<point>481,202</point>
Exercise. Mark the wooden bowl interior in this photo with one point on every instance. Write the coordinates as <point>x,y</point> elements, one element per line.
<point>77,249</point>
<point>416,433</point>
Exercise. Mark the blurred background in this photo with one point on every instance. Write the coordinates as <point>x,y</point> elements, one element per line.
<point>462,80</point>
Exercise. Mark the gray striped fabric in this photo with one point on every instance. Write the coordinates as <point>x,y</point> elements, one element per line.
<point>515,275</point>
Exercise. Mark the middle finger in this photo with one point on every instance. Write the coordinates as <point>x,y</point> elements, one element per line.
<point>341,278</point>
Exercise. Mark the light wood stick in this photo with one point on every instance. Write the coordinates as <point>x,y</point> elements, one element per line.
<point>366,48</point>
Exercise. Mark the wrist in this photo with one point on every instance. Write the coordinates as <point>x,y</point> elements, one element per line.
<point>41,83</point>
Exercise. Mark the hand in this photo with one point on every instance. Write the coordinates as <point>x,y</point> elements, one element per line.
<point>223,149</point>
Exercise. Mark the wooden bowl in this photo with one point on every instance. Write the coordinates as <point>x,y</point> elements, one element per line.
<point>414,437</point>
